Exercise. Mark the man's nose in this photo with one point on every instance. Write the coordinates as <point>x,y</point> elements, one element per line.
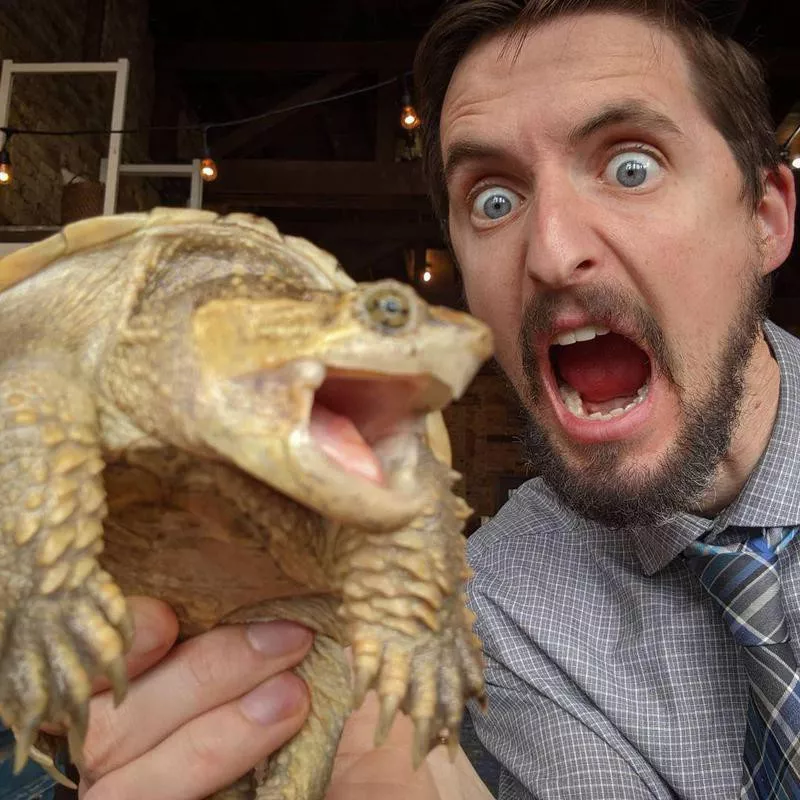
<point>564,241</point>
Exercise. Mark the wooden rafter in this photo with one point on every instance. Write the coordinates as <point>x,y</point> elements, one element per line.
<point>255,176</point>
<point>243,135</point>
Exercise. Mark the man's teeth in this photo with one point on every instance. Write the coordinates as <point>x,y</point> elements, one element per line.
<point>580,334</point>
<point>572,400</point>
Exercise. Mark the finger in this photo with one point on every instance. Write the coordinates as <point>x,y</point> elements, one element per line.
<point>155,631</point>
<point>212,751</point>
<point>197,676</point>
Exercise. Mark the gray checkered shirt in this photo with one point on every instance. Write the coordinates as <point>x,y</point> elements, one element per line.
<point>611,674</point>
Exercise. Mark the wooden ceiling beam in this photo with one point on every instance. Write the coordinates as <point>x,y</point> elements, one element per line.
<point>254,176</point>
<point>216,56</point>
<point>242,135</point>
<point>263,203</point>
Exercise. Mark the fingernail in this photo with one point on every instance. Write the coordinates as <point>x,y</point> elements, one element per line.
<point>274,700</point>
<point>278,638</point>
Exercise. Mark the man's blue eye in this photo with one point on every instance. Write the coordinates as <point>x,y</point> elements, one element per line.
<point>495,203</point>
<point>632,170</point>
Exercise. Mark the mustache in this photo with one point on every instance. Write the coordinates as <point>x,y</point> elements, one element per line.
<point>607,303</point>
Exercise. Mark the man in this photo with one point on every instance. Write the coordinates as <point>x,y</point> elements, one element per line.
<point>615,201</point>
<point>608,181</point>
<point>610,166</point>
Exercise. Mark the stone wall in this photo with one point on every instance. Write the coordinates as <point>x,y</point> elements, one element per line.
<point>73,30</point>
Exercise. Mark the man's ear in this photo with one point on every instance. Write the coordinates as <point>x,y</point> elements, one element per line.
<point>775,217</point>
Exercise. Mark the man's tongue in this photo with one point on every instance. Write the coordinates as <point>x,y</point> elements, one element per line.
<point>606,371</point>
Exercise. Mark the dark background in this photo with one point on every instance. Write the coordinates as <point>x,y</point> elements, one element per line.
<point>240,59</point>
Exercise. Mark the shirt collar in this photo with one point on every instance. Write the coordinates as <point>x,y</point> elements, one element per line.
<point>771,495</point>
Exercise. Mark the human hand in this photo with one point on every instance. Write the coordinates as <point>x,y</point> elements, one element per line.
<point>197,716</point>
<point>363,772</point>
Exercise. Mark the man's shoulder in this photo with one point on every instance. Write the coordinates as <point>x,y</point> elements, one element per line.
<point>786,347</point>
<point>532,518</point>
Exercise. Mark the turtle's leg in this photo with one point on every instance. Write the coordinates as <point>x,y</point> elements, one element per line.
<point>301,769</point>
<point>62,619</point>
<point>407,619</point>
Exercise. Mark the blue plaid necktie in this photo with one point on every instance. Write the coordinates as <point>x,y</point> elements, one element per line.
<point>744,580</point>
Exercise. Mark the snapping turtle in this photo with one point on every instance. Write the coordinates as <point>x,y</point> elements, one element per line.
<point>198,408</point>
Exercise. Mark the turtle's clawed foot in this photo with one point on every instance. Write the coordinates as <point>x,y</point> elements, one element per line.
<point>429,676</point>
<point>411,631</point>
<point>54,646</point>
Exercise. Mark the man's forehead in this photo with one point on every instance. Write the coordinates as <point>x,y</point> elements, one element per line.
<point>587,49</point>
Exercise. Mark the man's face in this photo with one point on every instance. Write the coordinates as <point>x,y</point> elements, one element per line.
<point>590,193</point>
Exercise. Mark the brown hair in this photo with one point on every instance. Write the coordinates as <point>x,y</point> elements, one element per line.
<point>727,80</point>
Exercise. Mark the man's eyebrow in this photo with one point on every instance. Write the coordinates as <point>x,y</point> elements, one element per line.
<point>629,112</point>
<point>469,150</point>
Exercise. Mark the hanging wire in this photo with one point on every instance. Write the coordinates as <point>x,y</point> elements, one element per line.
<point>205,126</point>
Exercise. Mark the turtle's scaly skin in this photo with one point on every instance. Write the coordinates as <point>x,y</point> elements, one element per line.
<point>157,378</point>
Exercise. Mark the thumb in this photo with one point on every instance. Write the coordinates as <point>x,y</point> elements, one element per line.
<point>155,631</point>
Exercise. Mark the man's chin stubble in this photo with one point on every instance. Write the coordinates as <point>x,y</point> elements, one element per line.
<point>604,490</point>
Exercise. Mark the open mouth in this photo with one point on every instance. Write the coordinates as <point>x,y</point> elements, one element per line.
<point>600,374</point>
<point>367,423</point>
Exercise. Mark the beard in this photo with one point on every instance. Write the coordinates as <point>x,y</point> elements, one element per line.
<point>602,488</point>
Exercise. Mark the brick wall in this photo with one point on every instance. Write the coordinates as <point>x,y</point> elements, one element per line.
<point>72,30</point>
<point>484,428</point>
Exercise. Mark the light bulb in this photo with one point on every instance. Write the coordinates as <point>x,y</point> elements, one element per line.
<point>6,174</point>
<point>208,170</point>
<point>409,119</point>
<point>796,162</point>
<point>426,276</point>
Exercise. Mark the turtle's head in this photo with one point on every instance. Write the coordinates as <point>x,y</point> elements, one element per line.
<point>241,344</point>
<point>324,394</point>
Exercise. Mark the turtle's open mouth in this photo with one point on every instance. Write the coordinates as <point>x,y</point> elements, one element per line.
<point>365,422</point>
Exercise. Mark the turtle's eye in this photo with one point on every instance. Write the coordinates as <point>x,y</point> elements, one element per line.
<point>388,309</point>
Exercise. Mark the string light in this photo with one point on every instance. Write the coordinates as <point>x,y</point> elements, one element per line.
<point>208,168</point>
<point>208,125</point>
<point>6,175</point>
<point>409,119</point>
